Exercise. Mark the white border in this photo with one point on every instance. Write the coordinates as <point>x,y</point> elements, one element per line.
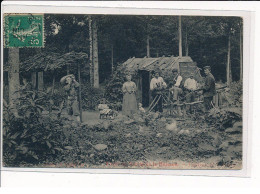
<point>135,8</point>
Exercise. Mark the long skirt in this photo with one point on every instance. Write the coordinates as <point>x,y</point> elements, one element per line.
<point>129,106</point>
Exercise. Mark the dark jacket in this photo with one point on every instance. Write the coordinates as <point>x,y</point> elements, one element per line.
<point>209,88</point>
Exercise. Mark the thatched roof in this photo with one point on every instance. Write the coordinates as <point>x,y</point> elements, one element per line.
<point>149,64</point>
<point>50,61</point>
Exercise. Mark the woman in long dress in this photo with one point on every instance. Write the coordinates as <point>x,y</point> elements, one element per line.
<point>129,100</point>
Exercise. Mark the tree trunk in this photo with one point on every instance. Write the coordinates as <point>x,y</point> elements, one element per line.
<point>186,43</point>
<point>40,81</point>
<point>241,52</point>
<point>13,77</point>
<point>80,101</point>
<point>228,70</point>
<point>148,46</point>
<point>95,55</point>
<point>112,59</point>
<point>180,38</point>
<point>90,52</point>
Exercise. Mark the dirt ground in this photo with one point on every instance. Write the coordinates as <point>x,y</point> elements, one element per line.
<point>91,117</point>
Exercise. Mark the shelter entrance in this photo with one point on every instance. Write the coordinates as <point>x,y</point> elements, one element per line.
<point>145,87</point>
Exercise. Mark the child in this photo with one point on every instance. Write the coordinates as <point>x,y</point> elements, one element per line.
<point>105,111</point>
<point>140,107</point>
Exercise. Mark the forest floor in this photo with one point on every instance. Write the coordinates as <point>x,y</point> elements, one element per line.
<point>151,141</point>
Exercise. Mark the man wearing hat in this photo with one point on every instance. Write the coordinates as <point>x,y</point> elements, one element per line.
<point>190,86</point>
<point>209,89</point>
<point>176,85</point>
<point>157,84</point>
<point>70,87</point>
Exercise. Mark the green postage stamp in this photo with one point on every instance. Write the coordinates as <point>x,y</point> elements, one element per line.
<point>23,30</point>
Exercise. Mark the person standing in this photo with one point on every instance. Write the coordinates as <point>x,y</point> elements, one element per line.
<point>209,88</point>
<point>176,87</point>
<point>71,86</point>
<point>190,86</point>
<point>129,106</point>
<point>157,84</point>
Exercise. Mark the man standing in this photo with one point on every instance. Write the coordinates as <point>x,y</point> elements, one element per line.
<point>70,87</point>
<point>176,88</point>
<point>209,89</point>
<point>190,86</point>
<point>157,84</point>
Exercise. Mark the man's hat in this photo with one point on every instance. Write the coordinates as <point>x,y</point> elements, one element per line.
<point>128,73</point>
<point>63,79</point>
<point>175,70</point>
<point>207,67</point>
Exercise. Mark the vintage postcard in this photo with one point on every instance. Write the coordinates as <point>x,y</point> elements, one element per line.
<point>114,91</point>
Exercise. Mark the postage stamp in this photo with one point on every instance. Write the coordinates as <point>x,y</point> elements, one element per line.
<point>23,30</point>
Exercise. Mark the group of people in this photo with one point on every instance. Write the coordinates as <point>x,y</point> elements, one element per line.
<point>176,88</point>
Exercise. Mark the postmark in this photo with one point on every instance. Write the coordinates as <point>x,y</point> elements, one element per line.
<point>23,30</point>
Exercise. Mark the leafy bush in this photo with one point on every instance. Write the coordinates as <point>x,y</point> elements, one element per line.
<point>113,92</point>
<point>90,96</point>
<point>224,118</point>
<point>28,136</point>
<point>236,93</point>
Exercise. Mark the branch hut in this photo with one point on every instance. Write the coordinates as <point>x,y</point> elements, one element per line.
<point>145,66</point>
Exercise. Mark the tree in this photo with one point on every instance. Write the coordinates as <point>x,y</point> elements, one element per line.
<point>228,71</point>
<point>95,54</point>
<point>180,37</point>
<point>186,42</point>
<point>13,77</point>
<point>91,72</point>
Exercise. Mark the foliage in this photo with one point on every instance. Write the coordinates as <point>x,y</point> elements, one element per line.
<point>223,118</point>
<point>91,96</point>
<point>206,39</point>
<point>53,60</point>
<point>113,92</point>
<point>236,93</point>
<point>28,135</point>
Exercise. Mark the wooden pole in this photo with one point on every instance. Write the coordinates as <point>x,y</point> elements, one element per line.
<point>180,38</point>
<point>68,69</point>
<point>34,80</point>
<point>80,102</point>
<point>53,83</point>
<point>40,81</point>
